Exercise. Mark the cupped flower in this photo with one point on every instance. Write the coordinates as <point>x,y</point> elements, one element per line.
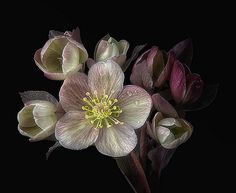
<point>169,132</point>
<point>100,111</point>
<point>61,56</point>
<point>186,87</point>
<point>152,68</point>
<point>110,49</point>
<point>37,119</point>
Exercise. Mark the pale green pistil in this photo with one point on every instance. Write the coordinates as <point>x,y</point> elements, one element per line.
<point>101,111</point>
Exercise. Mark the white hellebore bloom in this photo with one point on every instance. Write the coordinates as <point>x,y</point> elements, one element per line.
<point>37,119</point>
<point>170,132</point>
<point>100,111</point>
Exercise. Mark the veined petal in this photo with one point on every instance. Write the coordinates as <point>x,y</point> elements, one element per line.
<point>37,59</point>
<point>106,78</point>
<point>166,72</point>
<point>73,91</point>
<point>164,136</point>
<point>71,58</point>
<point>178,82</point>
<point>73,131</point>
<point>83,54</point>
<point>116,141</point>
<point>43,108</point>
<point>163,106</point>
<point>123,46</point>
<point>140,76</point>
<point>135,104</point>
<point>51,53</point>
<point>25,116</point>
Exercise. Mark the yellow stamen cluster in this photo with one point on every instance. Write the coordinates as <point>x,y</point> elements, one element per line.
<point>101,111</point>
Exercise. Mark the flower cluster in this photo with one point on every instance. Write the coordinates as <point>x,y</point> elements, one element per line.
<point>96,108</point>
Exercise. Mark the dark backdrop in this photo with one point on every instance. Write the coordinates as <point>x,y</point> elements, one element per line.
<point>202,164</point>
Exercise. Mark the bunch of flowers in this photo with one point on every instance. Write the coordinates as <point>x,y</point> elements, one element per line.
<point>140,124</point>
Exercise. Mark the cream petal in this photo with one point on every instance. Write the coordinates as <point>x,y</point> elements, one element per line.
<point>164,135</point>
<point>52,52</point>
<point>43,108</point>
<point>73,91</point>
<point>82,51</point>
<point>116,141</point>
<point>25,117</point>
<point>123,46</point>
<point>106,78</point>
<point>71,58</point>
<point>46,122</point>
<point>168,122</point>
<point>29,131</point>
<point>135,104</point>
<point>73,131</point>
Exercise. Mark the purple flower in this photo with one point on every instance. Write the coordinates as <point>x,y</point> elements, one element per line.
<point>100,111</point>
<point>186,87</point>
<point>152,69</point>
<point>61,55</point>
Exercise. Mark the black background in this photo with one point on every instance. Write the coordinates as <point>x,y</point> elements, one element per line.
<point>204,163</point>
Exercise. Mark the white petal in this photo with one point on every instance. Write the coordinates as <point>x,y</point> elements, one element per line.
<point>164,135</point>
<point>73,91</point>
<point>71,58</point>
<point>116,141</point>
<point>43,108</point>
<point>73,131</point>
<point>169,122</point>
<point>106,78</point>
<point>135,104</point>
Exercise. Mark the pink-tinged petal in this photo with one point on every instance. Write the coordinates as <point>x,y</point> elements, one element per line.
<point>135,104</point>
<point>166,72</point>
<point>76,35</point>
<point>119,59</point>
<point>116,141</point>
<point>54,76</point>
<point>163,106</point>
<point>194,88</point>
<point>140,76</point>
<point>37,59</point>
<point>90,62</point>
<point>106,78</point>
<point>73,131</point>
<point>178,82</point>
<point>184,51</point>
<point>150,58</point>
<point>73,91</point>
<point>71,59</point>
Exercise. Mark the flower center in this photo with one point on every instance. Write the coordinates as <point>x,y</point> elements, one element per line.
<point>101,111</point>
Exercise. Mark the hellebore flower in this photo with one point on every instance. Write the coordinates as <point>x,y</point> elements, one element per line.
<point>100,111</point>
<point>169,132</point>
<point>152,69</point>
<point>37,119</point>
<point>61,56</point>
<point>110,49</point>
<point>186,87</point>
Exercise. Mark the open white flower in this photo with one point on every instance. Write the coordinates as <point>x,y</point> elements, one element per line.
<point>100,111</point>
